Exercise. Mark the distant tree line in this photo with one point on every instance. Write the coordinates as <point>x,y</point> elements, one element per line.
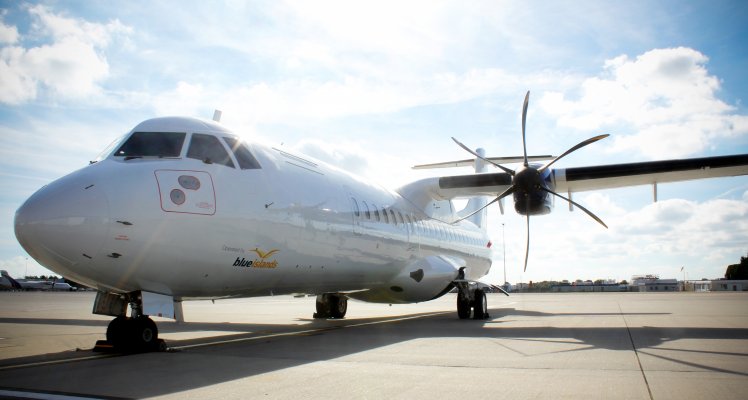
<point>738,271</point>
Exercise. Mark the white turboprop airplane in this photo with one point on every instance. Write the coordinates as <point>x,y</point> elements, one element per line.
<point>8,283</point>
<point>181,208</point>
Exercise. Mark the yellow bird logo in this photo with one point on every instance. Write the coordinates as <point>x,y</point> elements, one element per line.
<point>264,255</point>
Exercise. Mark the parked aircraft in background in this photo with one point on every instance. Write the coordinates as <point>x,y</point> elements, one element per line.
<point>182,208</point>
<point>9,283</point>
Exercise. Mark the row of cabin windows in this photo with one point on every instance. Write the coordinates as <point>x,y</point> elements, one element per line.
<point>396,218</point>
<point>206,148</point>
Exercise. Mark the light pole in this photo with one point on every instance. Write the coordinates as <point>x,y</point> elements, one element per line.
<point>26,272</point>
<point>503,243</point>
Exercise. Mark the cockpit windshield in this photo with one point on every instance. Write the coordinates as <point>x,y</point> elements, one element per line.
<point>152,144</point>
<point>241,152</point>
<point>108,150</point>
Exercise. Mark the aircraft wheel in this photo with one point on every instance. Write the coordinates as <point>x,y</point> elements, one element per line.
<point>338,306</point>
<point>322,306</point>
<point>331,305</point>
<point>463,307</point>
<point>143,334</point>
<point>480,306</point>
<point>116,332</point>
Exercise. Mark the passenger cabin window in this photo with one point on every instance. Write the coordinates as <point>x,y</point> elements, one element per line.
<point>208,149</point>
<point>356,210</point>
<point>366,211</point>
<point>376,212</point>
<point>243,156</point>
<point>152,144</point>
<point>386,217</point>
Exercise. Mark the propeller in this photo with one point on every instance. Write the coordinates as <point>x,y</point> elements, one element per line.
<point>528,181</point>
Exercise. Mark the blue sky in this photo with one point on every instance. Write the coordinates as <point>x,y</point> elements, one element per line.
<point>379,86</point>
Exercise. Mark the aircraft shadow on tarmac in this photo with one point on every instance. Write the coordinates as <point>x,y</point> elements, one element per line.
<point>260,350</point>
<point>55,321</point>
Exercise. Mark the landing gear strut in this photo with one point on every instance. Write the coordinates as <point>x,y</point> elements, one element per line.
<point>331,305</point>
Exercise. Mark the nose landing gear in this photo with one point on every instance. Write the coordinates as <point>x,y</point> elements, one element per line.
<point>135,334</point>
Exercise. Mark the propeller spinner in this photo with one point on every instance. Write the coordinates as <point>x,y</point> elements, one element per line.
<point>529,186</point>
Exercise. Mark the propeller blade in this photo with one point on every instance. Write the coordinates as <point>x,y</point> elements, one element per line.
<point>524,119</point>
<point>507,170</point>
<point>507,192</point>
<point>527,244</point>
<point>595,217</point>
<point>577,147</point>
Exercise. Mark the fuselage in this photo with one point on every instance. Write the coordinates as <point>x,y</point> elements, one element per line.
<point>200,214</point>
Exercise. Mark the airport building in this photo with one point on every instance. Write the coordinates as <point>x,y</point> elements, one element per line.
<point>724,285</point>
<point>653,283</point>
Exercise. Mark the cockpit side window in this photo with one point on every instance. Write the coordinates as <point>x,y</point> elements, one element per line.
<point>152,144</point>
<point>245,159</point>
<point>208,149</point>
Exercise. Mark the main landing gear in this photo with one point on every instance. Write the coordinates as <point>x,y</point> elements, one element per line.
<point>331,305</point>
<point>470,298</point>
<point>135,334</point>
<point>477,304</point>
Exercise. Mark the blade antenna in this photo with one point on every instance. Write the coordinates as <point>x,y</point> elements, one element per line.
<point>507,170</point>
<point>524,120</point>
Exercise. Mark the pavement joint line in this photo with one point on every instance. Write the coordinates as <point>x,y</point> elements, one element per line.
<point>53,362</point>
<point>305,332</point>
<point>19,394</point>
<point>636,353</point>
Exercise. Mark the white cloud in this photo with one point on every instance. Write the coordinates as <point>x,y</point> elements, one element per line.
<point>20,266</point>
<point>72,66</point>
<point>666,96</point>
<point>710,230</point>
<point>8,34</point>
<point>659,238</point>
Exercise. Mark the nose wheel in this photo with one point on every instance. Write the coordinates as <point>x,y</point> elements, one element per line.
<point>134,335</point>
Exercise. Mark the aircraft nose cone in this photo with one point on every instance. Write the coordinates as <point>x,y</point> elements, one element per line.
<point>64,224</point>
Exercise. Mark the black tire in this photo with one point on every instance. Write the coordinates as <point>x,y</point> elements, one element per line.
<point>143,334</point>
<point>463,307</point>
<point>338,306</point>
<point>480,305</point>
<point>116,332</point>
<point>323,306</point>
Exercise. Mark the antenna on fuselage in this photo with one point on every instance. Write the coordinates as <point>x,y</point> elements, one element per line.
<point>217,115</point>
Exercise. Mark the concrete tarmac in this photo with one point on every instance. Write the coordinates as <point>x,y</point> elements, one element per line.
<point>586,345</point>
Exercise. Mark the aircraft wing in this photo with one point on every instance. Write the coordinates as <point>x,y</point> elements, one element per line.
<point>579,179</point>
<point>646,173</point>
